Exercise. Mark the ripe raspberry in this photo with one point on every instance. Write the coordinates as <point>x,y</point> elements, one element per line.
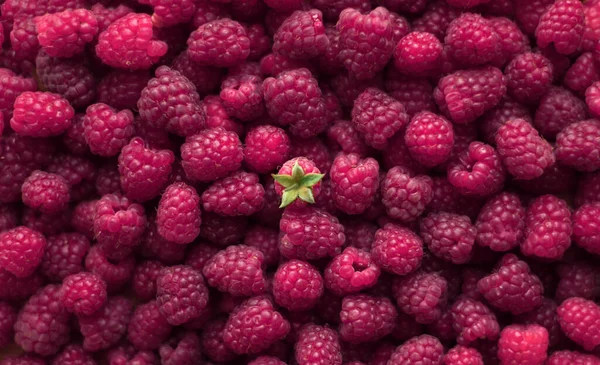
<point>558,109</point>
<point>220,43</point>
<point>405,197</point>
<point>115,274</point>
<point>143,281</point>
<point>301,35</point>
<point>418,53</point>
<point>108,15</point>
<point>223,230</point>
<point>23,38</point>
<point>122,89</point>
<point>206,79</point>
<point>429,138</point>
<point>449,236</point>
<point>577,145</point>
<point>298,178</point>
<point>181,349</point>
<point>545,316</point>
<point>7,320</point>
<point>236,270</point>
<point>377,116</point>
<point>318,345</point>
<point>211,154</point>
<point>15,8</point>
<point>212,341</point>
<point>585,231</point>
<point>310,234</point>
<point>365,318</point>
<point>506,110</point>
<point>435,20</point>
<point>313,149</point>
<point>129,355</point>
<point>366,41</point>
<point>8,217</point>
<point>41,114</point>
<point>520,344</point>
<point>65,34</point>
<point>266,360</point>
<point>344,137</point>
<point>154,246</point>
<point>472,40</point>
<point>472,320</point>
<point>21,251</point>
<point>254,326</point>
<point>43,323</point>
<point>578,279</point>
<point>74,137</point>
<point>297,285</point>
<point>263,238</point>
<point>12,86</point>
<point>83,293</point>
<point>178,217</point>
<point>512,40</point>
<point>582,74</point>
<point>424,349</point>
<point>13,288</point>
<point>355,182</point>
<point>579,319</point>
<point>592,98</point>
<point>48,193</point>
<point>148,329</point>
<point>351,271</point>
<point>216,116</point>
<point>238,194</point>
<point>73,355</point>
<point>83,218</point>
<point>528,13</point>
<point>22,360</point>
<point>563,25</point>
<point>181,294</point>
<point>242,97</point>
<point>477,171</point>
<point>547,228</point>
<point>501,223</point>
<point>571,358</point>
<point>466,95</point>
<point>106,130</point>
<point>138,51</point>
<point>588,190</point>
<point>97,335</point>
<point>421,295</point>
<point>266,147</point>
<point>108,180</point>
<point>397,250</point>
<point>461,355</point>
<point>529,77</point>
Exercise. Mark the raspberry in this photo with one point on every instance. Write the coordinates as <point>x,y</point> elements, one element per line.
<point>449,236</point>
<point>154,246</point>
<point>14,288</point>
<point>238,194</point>
<point>591,32</point>
<point>181,349</point>
<point>23,38</point>
<point>236,270</point>
<point>405,197</point>
<point>297,285</point>
<point>377,116</point>
<point>435,20</point>
<point>83,218</point>
<point>294,98</point>
<point>579,318</point>
<point>8,217</point>
<point>512,40</point>
<point>313,149</point>
<point>48,193</point>
<point>562,25</point>
<point>220,43</point>
<point>65,34</point>
<point>73,355</point>
<point>263,238</point>
<point>138,51</point>
<point>108,180</point>
<point>266,147</point>
<point>397,250</point>
<point>571,358</point>
<point>310,234</point>
<point>592,98</point>
<point>520,344</point>
<point>21,251</point>
<point>477,171</point>
<point>205,79</point>
<point>501,223</point>
<point>429,138</point>
<point>211,154</point>
<point>216,116</point>
<point>22,360</point>
<point>14,8</point>
<point>421,295</point>
<point>585,231</point>
<point>558,109</point>
<point>178,216</point>
<point>106,130</point>
<point>588,190</point>
<point>97,335</point>
<point>577,146</point>
<point>74,137</point>
<point>318,345</point>
<point>472,40</point>
<point>424,349</point>
<point>266,360</point>
<point>298,178</point>
<point>7,321</point>
<point>461,355</point>
<point>351,271</point>
<point>212,341</point>
<point>223,230</point>
<point>577,280</point>
<point>148,329</point>
<point>301,35</point>
<point>242,97</point>
<point>545,316</point>
<point>41,114</point>
<point>122,89</point>
<point>129,356</point>
<point>116,274</point>
<point>344,137</point>
<point>365,318</point>
<point>547,228</point>
<point>528,13</point>
<point>582,74</point>
<point>12,86</point>
<point>528,77</point>
<point>143,281</point>
<point>108,15</point>
<point>355,182</point>
<point>83,293</point>
<point>253,326</point>
<point>366,41</point>
<point>466,95</point>
<point>181,294</point>
<point>43,323</point>
<point>472,320</point>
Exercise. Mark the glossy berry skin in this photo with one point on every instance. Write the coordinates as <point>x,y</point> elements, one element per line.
<point>55,32</point>
<point>106,130</point>
<point>297,285</point>
<point>579,319</point>
<point>99,336</point>
<point>585,231</point>
<point>473,320</point>
<point>115,274</point>
<point>501,223</point>
<point>178,217</point>
<point>418,53</point>
<point>461,355</point>
<point>83,293</point>
<point>562,26</point>
<point>41,114</point>
<point>220,43</point>
<point>148,329</point>
<point>143,280</point>
<point>314,339</point>
<point>355,182</point>
<point>448,236</point>
<point>171,13</point>
<point>472,40</point>
<point>429,138</point>
<point>547,228</point>
<point>529,77</point>
<point>266,147</point>
<point>577,145</point>
<point>253,326</point>
<point>566,357</point>
<point>477,171</point>
<point>73,354</point>
<point>424,349</point>
<point>301,36</point>
<point>13,85</point>
<point>421,295</point>
<point>21,251</point>
<point>397,249</point>
<point>366,318</point>
<point>558,109</point>
<point>239,194</point>
<point>351,271</point>
<point>129,354</point>
<point>181,294</point>
<point>519,344</point>
<point>46,192</point>
<point>138,51</point>
<point>64,255</point>
<point>405,197</point>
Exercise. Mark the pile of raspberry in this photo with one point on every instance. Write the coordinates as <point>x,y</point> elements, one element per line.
<point>302,182</point>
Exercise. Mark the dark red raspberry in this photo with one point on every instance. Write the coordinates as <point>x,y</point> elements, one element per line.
<point>223,230</point>
<point>21,251</point>
<point>355,182</point>
<point>310,234</point>
<point>416,94</point>
<point>8,317</point>
<point>181,349</point>
<point>266,360</point>
<point>41,114</point>
<point>435,20</point>
<point>545,316</point>
<point>472,40</point>
<point>571,358</point>
<point>143,281</point>
<point>181,294</point>
<point>592,98</point>
<point>418,53</point>
<point>206,79</point>
<point>429,138</point>
<point>83,293</point>
<point>561,25</point>
<point>421,295</point>
<point>588,190</point>
<point>301,35</point>
<point>260,41</point>
<point>46,224</point>
<point>558,109</point>
<point>12,86</point>
<point>242,97</point>
<point>424,349</point>
<point>211,154</point>
<point>297,285</point>
<point>577,145</point>
<point>266,147</point>
<point>138,51</point>
<point>501,223</point>
<point>236,270</point>
<point>220,43</point>
<point>238,194</point>
<point>108,180</point>
<point>8,217</point>
<point>472,320</point>
<point>148,329</point>
<point>212,341</point>
<point>23,38</point>
<point>73,355</point>
<point>366,41</point>
<point>107,326</point>
<point>578,279</point>
<point>449,236</point>
<point>397,250</point>
<point>274,63</point>
<point>477,171</point>
<point>528,77</point>
<point>65,34</point>
<point>528,13</point>
<point>512,40</point>
<point>43,323</point>
<point>365,318</point>
<point>46,192</point>
<point>585,230</point>
<point>127,355</point>
<point>178,216</point>
<point>519,344</point>
<point>254,326</point>
<point>83,218</point>
<point>582,74</point>
<point>320,341</point>
<point>263,238</point>
<point>329,62</point>
<point>23,360</point>
<point>506,110</point>
<point>107,15</point>
<point>405,197</point>
<point>13,288</point>
<point>122,89</point>
<point>377,116</point>
<point>74,137</point>
<point>351,271</point>
<point>579,319</point>
<point>547,228</point>
<point>344,137</point>
<point>106,130</point>
<point>154,246</point>
<point>313,149</point>
<point>115,274</point>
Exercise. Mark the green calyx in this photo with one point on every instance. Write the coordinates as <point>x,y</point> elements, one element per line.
<point>297,185</point>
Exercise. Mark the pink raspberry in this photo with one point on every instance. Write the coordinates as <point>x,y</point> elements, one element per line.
<point>181,294</point>
<point>122,89</point>
<point>449,236</point>
<point>143,280</point>
<point>585,230</point>
<point>274,63</point>
<point>366,318</point>
<point>65,34</point>
<point>562,25</point>
<point>416,94</point>
<point>263,238</point>
<point>421,295</point>
<point>242,97</point>
<point>115,274</point>
<point>477,171</point>
<point>211,154</point>
<point>466,95</point>
<point>558,109</point>
<point>178,217</point>
<point>297,285</point>
<point>138,51</point>
<point>332,8</point>
<point>519,344</point>
<point>424,349</point>
<point>343,136</point>
<point>206,79</point>
<point>528,13</point>
<point>397,249</point>
<point>405,197</point>
<point>591,32</point>
<point>592,98</point>
<point>571,358</point>
<point>473,320</point>
<point>547,228</point>
<point>106,130</point>
<point>301,36</point>
<point>216,116</point>
<point>366,41</point>
<point>238,194</point>
<point>148,329</point>
<point>129,355</point>
<point>41,114</point>
<point>461,355</point>
<point>23,38</point>
<point>355,182</point>
<point>64,255</point>
<point>418,53</point>
<point>435,20</point>
<point>266,147</point>
<point>429,138</point>
<point>298,182</point>
<point>501,223</point>
<point>579,319</point>
<point>577,145</point>
<point>582,73</point>
<point>472,40</point>
<point>588,190</point>
<point>528,77</point>
<point>171,13</point>
<point>313,149</point>
<point>46,192</point>
<point>253,326</point>
<point>83,293</point>
<point>320,341</point>
<point>14,8</point>
<point>351,271</point>
<point>21,251</point>
<point>545,316</point>
<point>512,40</point>
<point>23,360</point>
<point>182,348</point>
<point>578,279</point>
<point>220,43</point>
<point>209,11</point>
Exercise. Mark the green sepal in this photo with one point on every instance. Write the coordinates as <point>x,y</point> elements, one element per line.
<point>297,185</point>
<point>288,197</point>
<point>306,195</point>
<point>310,180</point>
<point>285,180</point>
